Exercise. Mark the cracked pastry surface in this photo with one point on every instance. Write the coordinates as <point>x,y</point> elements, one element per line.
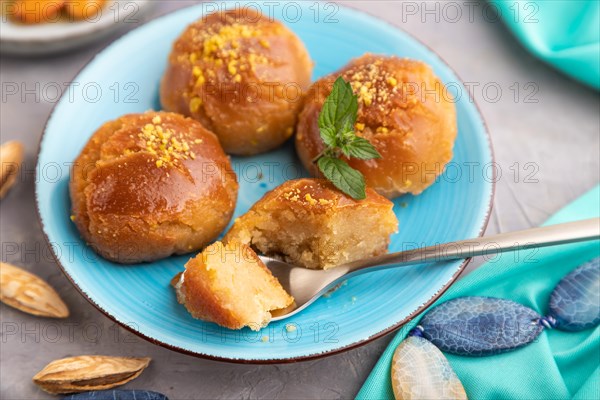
<point>309,222</point>
<point>240,73</point>
<point>150,185</point>
<point>404,110</point>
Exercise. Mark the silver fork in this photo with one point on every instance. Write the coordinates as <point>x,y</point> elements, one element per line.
<point>307,285</point>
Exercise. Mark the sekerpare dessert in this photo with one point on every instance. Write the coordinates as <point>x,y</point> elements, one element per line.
<point>403,110</point>
<point>242,75</point>
<point>150,185</point>
<point>308,222</point>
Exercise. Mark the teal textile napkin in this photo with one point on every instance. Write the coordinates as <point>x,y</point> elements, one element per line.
<point>564,33</point>
<point>557,365</point>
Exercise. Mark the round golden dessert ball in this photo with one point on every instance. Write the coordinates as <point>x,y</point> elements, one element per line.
<point>242,75</point>
<point>403,110</point>
<point>150,185</point>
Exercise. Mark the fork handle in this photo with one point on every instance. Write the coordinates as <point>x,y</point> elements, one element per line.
<point>569,232</point>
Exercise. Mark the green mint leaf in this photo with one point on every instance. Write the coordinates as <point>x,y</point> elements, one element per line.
<point>329,136</point>
<point>344,177</point>
<point>346,131</point>
<point>360,148</point>
<point>336,125</point>
<point>338,114</point>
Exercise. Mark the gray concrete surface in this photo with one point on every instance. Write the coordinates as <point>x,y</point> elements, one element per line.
<point>548,130</point>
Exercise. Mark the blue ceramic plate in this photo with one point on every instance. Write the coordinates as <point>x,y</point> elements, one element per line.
<point>124,78</point>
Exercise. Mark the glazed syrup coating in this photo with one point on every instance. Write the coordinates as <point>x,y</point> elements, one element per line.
<point>242,75</point>
<point>316,196</point>
<point>150,185</point>
<point>403,111</point>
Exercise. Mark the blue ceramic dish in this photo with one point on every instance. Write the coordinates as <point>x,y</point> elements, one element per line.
<point>124,78</point>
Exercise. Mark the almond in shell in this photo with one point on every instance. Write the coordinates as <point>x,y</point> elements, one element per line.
<point>87,373</point>
<point>11,156</point>
<point>29,293</point>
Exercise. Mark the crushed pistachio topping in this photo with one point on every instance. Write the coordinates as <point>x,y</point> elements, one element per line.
<point>392,81</point>
<point>295,195</point>
<point>374,86</point>
<point>195,104</point>
<point>199,75</point>
<point>221,44</point>
<point>310,200</point>
<point>292,195</point>
<point>168,147</point>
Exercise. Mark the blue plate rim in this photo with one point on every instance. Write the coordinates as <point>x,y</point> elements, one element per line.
<point>287,360</point>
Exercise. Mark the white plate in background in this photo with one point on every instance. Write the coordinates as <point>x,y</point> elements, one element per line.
<point>63,35</point>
